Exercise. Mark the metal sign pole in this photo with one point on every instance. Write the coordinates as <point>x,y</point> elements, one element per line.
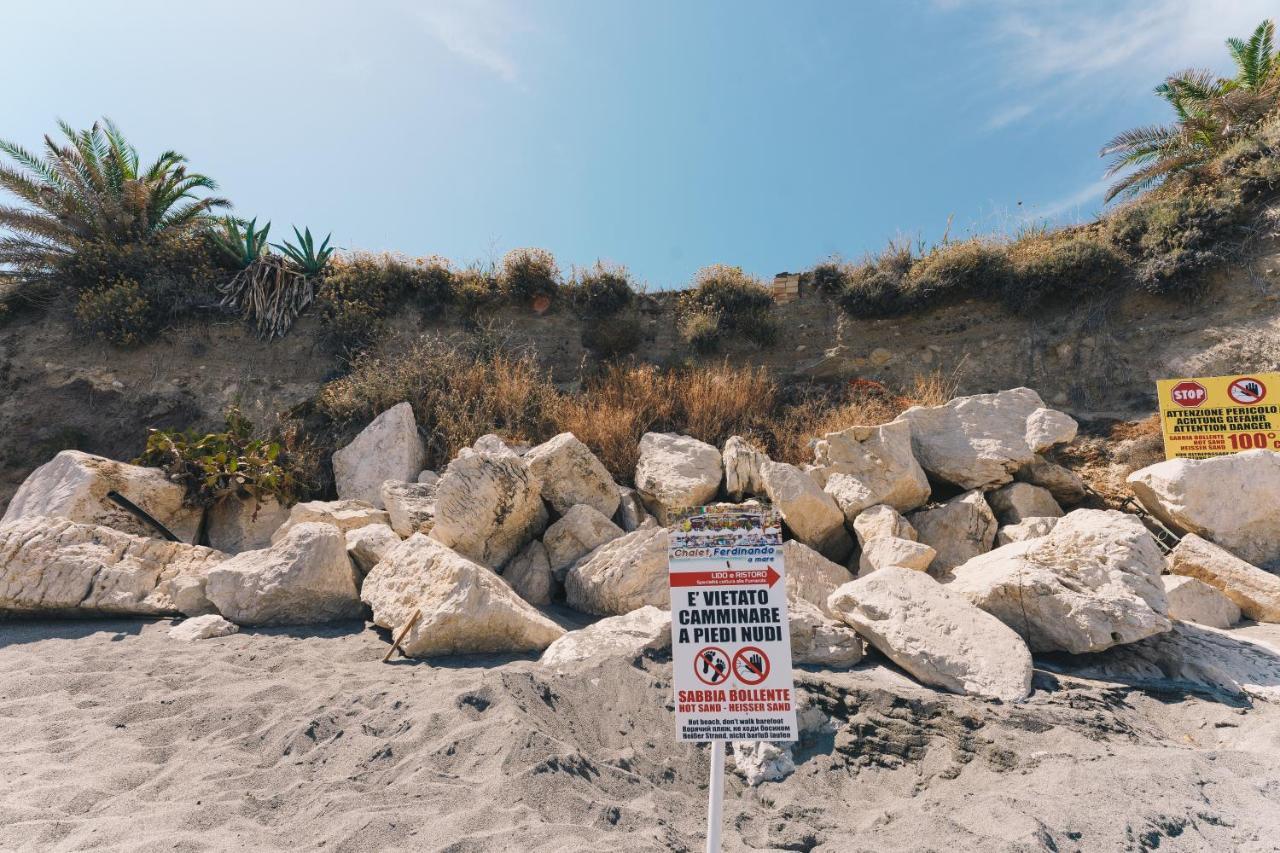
<point>715,797</point>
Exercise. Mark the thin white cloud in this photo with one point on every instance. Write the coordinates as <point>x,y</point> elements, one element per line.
<point>478,31</point>
<point>1070,206</point>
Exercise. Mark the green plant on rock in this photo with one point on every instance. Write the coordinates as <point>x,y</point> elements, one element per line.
<point>241,242</point>
<point>737,304</point>
<point>602,290</point>
<point>118,313</point>
<point>91,189</point>
<point>309,259</point>
<point>217,465</point>
<point>957,270</point>
<point>1062,268</point>
<point>270,293</point>
<point>527,274</point>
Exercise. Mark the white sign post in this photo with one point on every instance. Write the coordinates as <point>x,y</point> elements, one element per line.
<point>730,640</point>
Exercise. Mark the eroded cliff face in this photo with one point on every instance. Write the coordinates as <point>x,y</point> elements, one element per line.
<point>59,390</point>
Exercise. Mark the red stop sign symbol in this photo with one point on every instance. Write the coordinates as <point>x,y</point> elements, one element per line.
<point>1189,394</point>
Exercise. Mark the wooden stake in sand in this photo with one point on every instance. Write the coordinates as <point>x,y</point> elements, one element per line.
<point>404,632</point>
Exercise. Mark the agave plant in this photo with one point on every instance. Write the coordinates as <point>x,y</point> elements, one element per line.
<point>1212,113</point>
<point>91,188</point>
<point>241,241</point>
<point>309,259</point>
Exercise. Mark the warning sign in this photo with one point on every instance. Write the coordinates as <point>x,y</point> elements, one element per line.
<point>731,646</point>
<point>1216,415</point>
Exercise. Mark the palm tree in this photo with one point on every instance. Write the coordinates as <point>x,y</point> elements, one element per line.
<point>91,189</point>
<point>1211,113</point>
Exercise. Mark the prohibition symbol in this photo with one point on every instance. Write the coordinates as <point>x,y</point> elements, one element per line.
<point>1247,391</point>
<point>751,665</point>
<point>711,665</point>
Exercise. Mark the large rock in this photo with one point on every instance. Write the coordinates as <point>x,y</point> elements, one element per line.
<point>819,640</point>
<point>1028,528</point>
<point>867,465</point>
<point>74,485</point>
<point>1229,500</point>
<point>58,565</point>
<point>411,507</point>
<point>980,441</point>
<point>344,515</point>
<point>622,575</point>
<point>1255,592</point>
<point>742,464</point>
<point>1019,501</point>
<point>465,607</point>
<point>631,512</point>
<point>627,637</point>
<point>1065,485</point>
<point>304,578</point>
<point>882,520</point>
<point>203,628</point>
<point>958,530</point>
<point>529,574</point>
<point>936,635</point>
<point>676,473</point>
<point>369,544</point>
<point>581,530</point>
<point>571,475</point>
<point>244,524</point>
<point>488,508</point>
<point>1092,583</point>
<point>811,577</point>
<point>884,551</point>
<point>1192,600</point>
<point>811,514</point>
<point>389,448</point>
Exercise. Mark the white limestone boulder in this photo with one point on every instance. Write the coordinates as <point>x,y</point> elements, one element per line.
<point>529,574</point>
<point>488,508</point>
<point>1016,502</point>
<point>627,637</point>
<point>1028,528</point>
<point>884,551</point>
<point>742,464</point>
<point>490,444</point>
<point>237,524</point>
<point>676,473</point>
<point>1092,583</point>
<point>203,628</point>
<point>389,448</point>
<point>55,565</point>
<point>304,578</point>
<point>74,485</point>
<point>1254,591</point>
<point>369,544</point>
<point>810,576</point>
<point>631,512</point>
<point>344,515</point>
<point>571,475</point>
<point>882,520</point>
<point>579,531</point>
<point>867,465</point>
<point>1229,500</point>
<point>819,640</point>
<point>811,514</point>
<point>1192,600</point>
<point>1065,485</point>
<point>978,442</point>
<point>622,575</point>
<point>428,477</point>
<point>938,637</point>
<point>466,608</point>
<point>411,507</point>
<point>958,530</point>
<point>762,761</point>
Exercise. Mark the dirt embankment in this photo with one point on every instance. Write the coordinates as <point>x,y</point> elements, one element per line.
<point>58,390</point>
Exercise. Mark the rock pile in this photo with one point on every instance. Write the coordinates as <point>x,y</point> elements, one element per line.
<point>946,539</point>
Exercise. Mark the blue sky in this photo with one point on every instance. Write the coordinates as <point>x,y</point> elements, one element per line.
<point>662,135</point>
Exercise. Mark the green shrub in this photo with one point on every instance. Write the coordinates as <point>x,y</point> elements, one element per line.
<point>612,336</point>
<point>955,271</point>
<point>218,465</point>
<point>1053,269</point>
<point>1175,235</point>
<point>118,313</point>
<point>829,277</point>
<point>526,274</point>
<point>731,300</point>
<point>875,288</point>
<point>476,288</point>
<point>602,291</point>
<point>359,291</point>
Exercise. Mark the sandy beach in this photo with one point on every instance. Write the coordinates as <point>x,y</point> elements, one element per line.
<point>115,737</point>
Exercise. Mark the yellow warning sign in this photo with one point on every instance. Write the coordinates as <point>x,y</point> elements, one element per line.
<point>1216,415</point>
